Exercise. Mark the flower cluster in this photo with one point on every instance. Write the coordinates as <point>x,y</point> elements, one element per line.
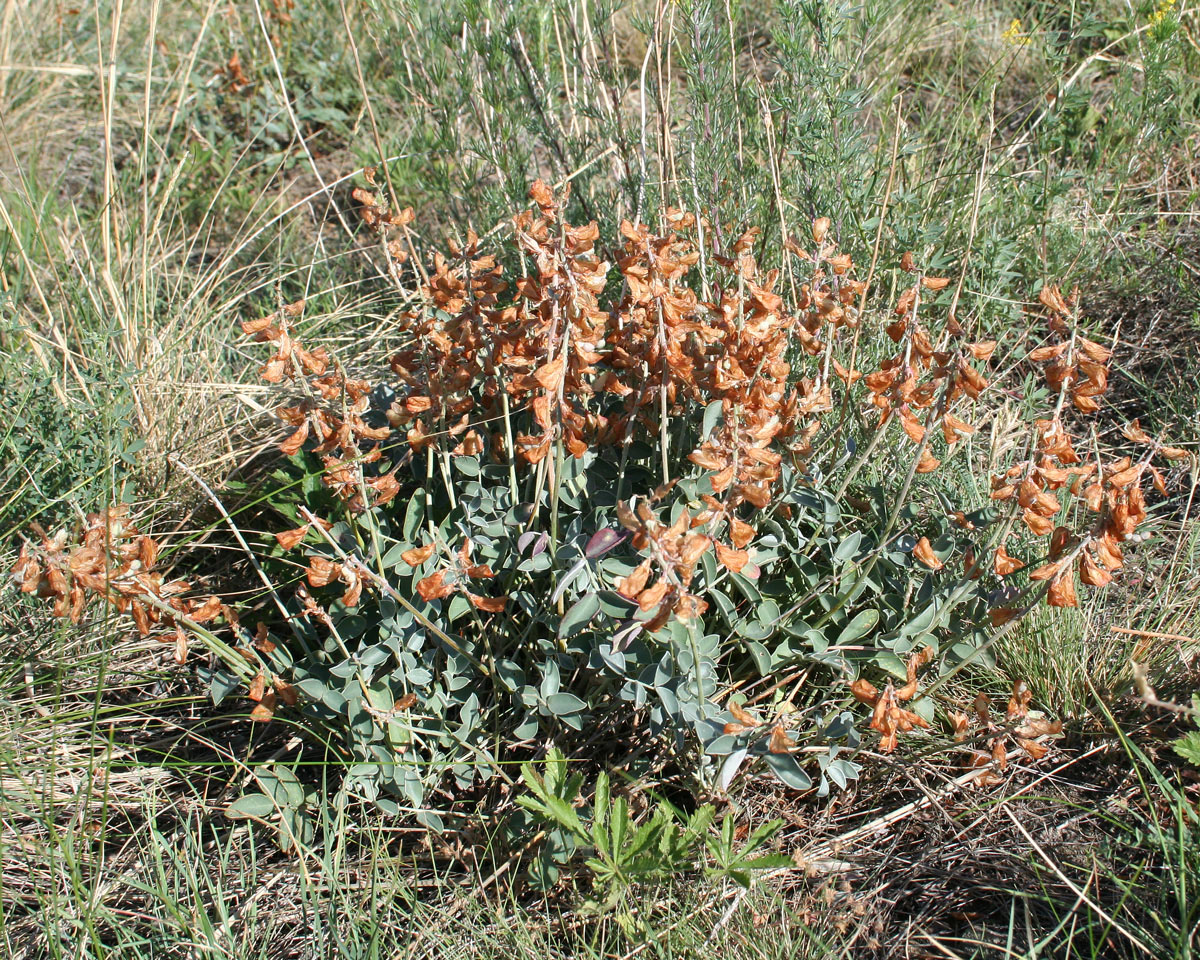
<point>454,577</point>
<point>922,381</point>
<point>674,551</point>
<point>998,737</point>
<point>330,411</point>
<point>888,718</point>
<point>1076,368</point>
<point>112,560</point>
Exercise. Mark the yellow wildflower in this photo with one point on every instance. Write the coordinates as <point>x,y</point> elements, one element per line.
<point>1160,12</point>
<point>1016,38</point>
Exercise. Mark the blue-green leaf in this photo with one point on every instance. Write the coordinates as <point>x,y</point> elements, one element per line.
<point>251,806</point>
<point>863,623</point>
<point>785,767</point>
<point>562,704</point>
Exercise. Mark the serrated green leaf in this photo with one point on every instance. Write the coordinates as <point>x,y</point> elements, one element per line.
<point>1188,747</point>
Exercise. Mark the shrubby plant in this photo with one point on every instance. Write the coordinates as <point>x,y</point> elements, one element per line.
<point>637,496</point>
